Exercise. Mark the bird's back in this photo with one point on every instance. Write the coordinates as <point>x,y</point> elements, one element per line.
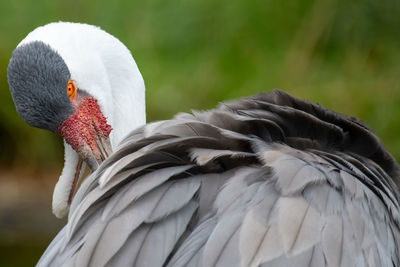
<point>268,180</point>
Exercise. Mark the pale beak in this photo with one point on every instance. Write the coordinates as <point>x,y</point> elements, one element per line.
<point>93,161</point>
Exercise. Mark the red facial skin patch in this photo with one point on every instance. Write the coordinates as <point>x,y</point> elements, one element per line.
<point>83,128</point>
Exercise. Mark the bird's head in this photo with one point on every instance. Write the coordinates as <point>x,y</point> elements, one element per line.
<point>79,82</point>
<point>46,96</point>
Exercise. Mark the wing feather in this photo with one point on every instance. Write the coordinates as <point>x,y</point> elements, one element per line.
<point>192,248</point>
<point>152,207</point>
<point>310,258</point>
<point>159,236</point>
<point>222,247</point>
<point>299,225</point>
<point>139,187</point>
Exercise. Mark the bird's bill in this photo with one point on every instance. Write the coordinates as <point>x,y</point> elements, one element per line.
<point>102,151</point>
<point>95,153</point>
<point>75,181</point>
<point>104,148</point>
<point>87,131</point>
<point>73,175</point>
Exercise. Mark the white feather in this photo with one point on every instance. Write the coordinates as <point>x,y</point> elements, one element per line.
<point>64,184</point>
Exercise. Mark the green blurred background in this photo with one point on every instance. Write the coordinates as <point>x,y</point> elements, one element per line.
<point>193,54</point>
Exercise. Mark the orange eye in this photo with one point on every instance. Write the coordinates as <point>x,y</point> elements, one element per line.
<point>71,89</point>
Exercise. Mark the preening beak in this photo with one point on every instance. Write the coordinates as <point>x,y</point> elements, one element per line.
<point>94,158</point>
<point>98,152</point>
<point>87,132</point>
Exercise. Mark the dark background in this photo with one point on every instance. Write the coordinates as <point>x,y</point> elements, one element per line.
<point>193,54</point>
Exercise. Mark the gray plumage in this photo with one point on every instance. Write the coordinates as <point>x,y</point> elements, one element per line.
<point>37,76</point>
<point>268,180</point>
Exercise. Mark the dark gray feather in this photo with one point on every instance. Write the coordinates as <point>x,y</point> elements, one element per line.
<point>38,78</point>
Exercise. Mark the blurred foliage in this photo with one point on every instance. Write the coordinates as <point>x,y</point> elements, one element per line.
<point>193,54</point>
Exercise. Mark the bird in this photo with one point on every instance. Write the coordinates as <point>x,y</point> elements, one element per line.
<point>266,180</point>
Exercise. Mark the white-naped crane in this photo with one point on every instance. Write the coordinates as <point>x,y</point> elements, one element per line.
<point>268,180</point>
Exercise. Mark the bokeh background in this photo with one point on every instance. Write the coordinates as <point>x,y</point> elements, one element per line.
<point>194,54</point>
